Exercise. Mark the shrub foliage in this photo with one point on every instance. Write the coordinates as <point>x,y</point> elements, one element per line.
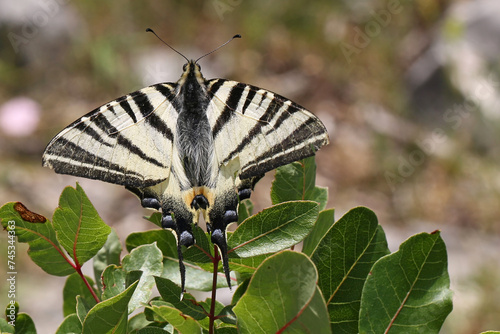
<point>344,279</point>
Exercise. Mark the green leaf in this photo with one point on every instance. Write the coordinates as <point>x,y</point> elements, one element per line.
<point>153,330</point>
<point>321,227</point>
<point>248,264</point>
<point>344,257</point>
<point>137,322</point>
<point>202,250</point>
<point>164,239</point>
<point>108,254</point>
<point>71,324</point>
<point>315,316</point>
<point>110,316</point>
<point>170,293</point>
<point>73,287</point>
<point>149,260</point>
<point>155,218</point>
<point>180,321</point>
<point>79,228</point>
<point>273,229</point>
<point>196,277</point>
<point>8,324</point>
<point>279,295</point>
<point>245,210</point>
<point>227,315</point>
<point>296,181</point>
<point>82,308</point>
<point>44,248</point>
<point>227,330</point>
<point>113,278</point>
<point>408,291</point>
<point>11,310</point>
<point>5,327</point>
<point>240,291</point>
<point>24,324</point>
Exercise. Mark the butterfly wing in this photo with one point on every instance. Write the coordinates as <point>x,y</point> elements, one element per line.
<point>254,131</point>
<point>127,141</point>
<point>261,129</point>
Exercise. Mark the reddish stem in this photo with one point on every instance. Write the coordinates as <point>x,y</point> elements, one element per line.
<point>79,271</point>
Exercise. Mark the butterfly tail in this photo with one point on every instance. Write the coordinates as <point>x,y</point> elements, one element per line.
<point>182,227</point>
<point>182,269</point>
<point>219,238</point>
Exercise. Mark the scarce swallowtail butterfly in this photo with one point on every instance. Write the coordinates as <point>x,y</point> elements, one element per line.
<point>193,146</point>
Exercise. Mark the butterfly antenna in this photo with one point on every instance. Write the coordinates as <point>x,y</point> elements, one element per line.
<point>235,36</point>
<point>151,30</point>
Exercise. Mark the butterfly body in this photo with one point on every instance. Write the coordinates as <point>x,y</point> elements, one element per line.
<point>190,147</point>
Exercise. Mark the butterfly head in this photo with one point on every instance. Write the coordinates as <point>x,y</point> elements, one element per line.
<point>191,72</point>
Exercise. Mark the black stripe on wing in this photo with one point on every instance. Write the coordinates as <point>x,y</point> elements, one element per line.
<point>126,106</point>
<point>230,105</point>
<point>78,144</point>
<point>303,142</point>
<point>81,126</point>
<point>168,91</point>
<point>105,170</point>
<point>256,130</point>
<point>144,104</point>
<point>249,98</point>
<point>263,167</point>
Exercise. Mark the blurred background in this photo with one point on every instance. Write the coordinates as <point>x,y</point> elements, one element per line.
<point>408,90</point>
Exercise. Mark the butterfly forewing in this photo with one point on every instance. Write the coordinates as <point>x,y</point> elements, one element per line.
<point>264,130</point>
<point>127,141</point>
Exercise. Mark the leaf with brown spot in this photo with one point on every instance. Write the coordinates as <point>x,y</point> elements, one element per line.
<point>28,215</point>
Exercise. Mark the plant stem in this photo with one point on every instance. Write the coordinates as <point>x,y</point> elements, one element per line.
<point>79,271</point>
<point>211,315</point>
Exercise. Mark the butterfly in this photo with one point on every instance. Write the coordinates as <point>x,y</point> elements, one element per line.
<point>189,147</point>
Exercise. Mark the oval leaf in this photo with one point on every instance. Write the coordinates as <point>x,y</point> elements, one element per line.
<point>70,324</point>
<point>297,181</point>
<point>344,258</point>
<point>170,293</point>
<point>278,296</point>
<point>24,324</point>
<point>45,249</point>
<point>325,220</point>
<point>273,229</point>
<point>164,239</point>
<point>110,316</point>
<point>149,260</point>
<point>197,278</point>
<point>408,291</point>
<point>180,321</point>
<point>113,278</point>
